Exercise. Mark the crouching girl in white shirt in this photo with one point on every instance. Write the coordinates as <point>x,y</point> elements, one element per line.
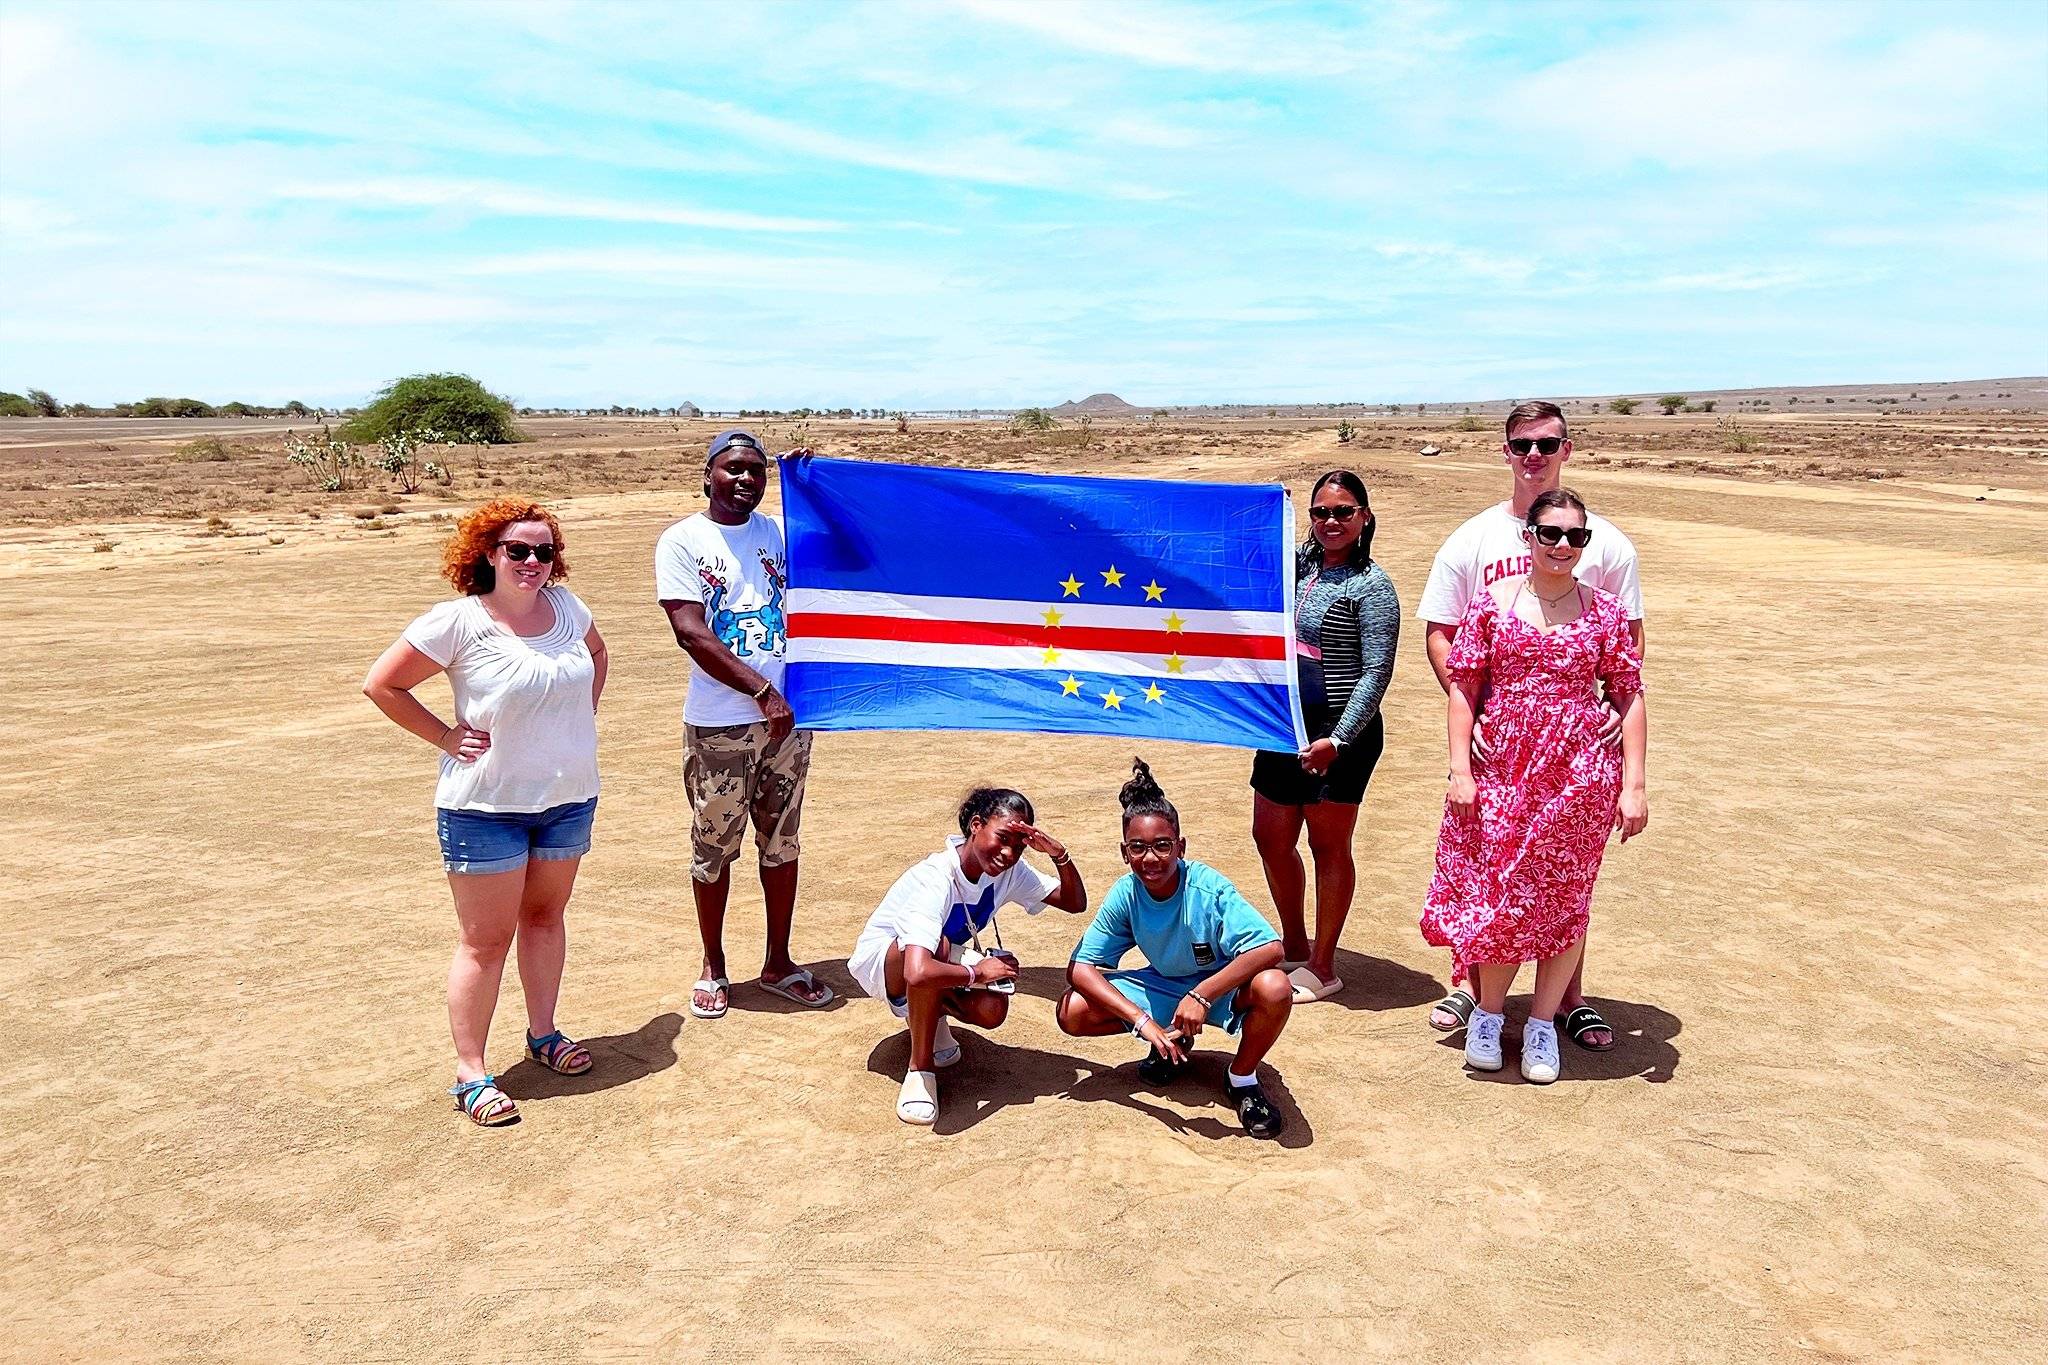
<point>921,953</point>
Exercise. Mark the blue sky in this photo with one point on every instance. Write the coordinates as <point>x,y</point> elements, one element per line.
<point>955,202</point>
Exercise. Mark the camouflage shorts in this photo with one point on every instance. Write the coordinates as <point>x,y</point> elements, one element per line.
<point>733,772</point>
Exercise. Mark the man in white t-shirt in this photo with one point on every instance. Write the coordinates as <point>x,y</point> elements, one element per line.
<point>1488,548</point>
<point>722,578</point>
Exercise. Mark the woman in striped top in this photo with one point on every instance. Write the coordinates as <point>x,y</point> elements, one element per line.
<point>1347,621</point>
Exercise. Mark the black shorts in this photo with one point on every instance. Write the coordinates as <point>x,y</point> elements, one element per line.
<point>1280,777</point>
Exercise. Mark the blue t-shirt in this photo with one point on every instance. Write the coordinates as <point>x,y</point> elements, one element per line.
<point>1204,924</point>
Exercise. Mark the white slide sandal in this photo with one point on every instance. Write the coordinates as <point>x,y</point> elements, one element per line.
<point>918,1102</point>
<point>1309,987</point>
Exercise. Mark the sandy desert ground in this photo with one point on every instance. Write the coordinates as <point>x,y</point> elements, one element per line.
<point>1821,1137</point>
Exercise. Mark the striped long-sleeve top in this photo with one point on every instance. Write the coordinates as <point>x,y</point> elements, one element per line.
<point>1347,622</point>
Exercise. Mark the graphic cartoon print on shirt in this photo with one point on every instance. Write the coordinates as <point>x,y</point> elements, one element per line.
<point>959,928</point>
<point>765,629</point>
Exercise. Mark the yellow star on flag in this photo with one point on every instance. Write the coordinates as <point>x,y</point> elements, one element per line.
<point>1070,686</point>
<point>1112,577</point>
<point>1111,701</point>
<point>1052,656</point>
<point>1174,621</point>
<point>1052,617</point>
<point>1071,587</point>
<point>1153,592</point>
<point>1153,692</point>
<point>1174,663</point>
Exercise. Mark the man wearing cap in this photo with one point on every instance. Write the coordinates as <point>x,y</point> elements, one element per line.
<point>720,575</point>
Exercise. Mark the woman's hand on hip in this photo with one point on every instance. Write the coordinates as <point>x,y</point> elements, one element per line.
<point>465,743</point>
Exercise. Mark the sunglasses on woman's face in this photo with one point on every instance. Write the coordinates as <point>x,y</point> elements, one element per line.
<point>518,550</point>
<point>1342,512</point>
<point>1547,445</point>
<point>1574,536</point>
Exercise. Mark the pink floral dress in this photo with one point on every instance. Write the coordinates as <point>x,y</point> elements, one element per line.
<point>1514,882</point>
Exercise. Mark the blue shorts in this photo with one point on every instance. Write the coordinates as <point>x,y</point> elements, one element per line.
<point>479,841</point>
<point>1160,995</point>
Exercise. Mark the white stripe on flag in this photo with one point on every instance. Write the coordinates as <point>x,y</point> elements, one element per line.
<point>1144,616</point>
<point>1016,657</point>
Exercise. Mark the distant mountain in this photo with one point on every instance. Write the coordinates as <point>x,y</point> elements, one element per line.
<point>1097,405</point>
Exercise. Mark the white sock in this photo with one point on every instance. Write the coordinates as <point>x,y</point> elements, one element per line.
<point>1239,1082</point>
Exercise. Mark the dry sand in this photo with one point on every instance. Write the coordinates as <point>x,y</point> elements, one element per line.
<point>1822,1134</point>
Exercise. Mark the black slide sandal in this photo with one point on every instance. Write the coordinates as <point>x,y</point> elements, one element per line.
<point>1583,1021</point>
<point>1459,1003</point>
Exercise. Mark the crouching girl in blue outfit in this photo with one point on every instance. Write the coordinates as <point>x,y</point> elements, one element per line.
<point>1210,959</point>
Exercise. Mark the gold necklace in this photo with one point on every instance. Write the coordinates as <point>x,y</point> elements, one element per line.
<point>1553,601</point>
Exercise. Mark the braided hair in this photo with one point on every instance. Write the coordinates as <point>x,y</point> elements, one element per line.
<point>1142,795</point>
<point>983,803</point>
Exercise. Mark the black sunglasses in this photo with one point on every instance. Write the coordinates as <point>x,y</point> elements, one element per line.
<point>1575,536</point>
<point>1344,512</point>
<point>1548,445</point>
<point>518,550</point>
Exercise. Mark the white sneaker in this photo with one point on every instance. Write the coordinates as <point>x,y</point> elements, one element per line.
<point>945,1048</point>
<point>1482,1040</point>
<point>1540,1060</point>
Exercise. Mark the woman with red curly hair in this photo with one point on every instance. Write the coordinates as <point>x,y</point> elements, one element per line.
<point>518,787</point>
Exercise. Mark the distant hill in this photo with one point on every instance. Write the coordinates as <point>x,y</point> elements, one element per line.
<point>1097,405</point>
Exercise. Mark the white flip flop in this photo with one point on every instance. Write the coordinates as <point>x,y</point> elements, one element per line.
<point>782,989</point>
<point>918,1102</point>
<point>1308,987</point>
<point>710,985</point>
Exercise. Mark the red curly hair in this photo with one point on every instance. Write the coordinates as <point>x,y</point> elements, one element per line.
<point>465,561</point>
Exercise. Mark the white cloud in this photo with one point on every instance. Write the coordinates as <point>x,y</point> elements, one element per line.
<point>480,197</point>
<point>1783,82</point>
<point>1167,36</point>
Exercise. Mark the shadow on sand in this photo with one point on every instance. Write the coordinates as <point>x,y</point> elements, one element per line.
<point>618,1059</point>
<point>1642,1046</point>
<point>991,1077</point>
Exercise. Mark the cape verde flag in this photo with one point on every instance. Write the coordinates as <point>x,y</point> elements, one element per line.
<point>955,599</point>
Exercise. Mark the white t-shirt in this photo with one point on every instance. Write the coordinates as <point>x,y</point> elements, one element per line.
<point>935,903</point>
<point>1490,547</point>
<point>739,573</point>
<point>532,693</point>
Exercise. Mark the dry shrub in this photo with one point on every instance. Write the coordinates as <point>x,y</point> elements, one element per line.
<point>205,450</point>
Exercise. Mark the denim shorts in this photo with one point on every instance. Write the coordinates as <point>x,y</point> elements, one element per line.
<point>481,841</point>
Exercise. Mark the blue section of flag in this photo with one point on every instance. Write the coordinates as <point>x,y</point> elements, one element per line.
<point>871,527</point>
<point>838,696</point>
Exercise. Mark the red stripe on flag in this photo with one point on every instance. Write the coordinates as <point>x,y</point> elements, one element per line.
<point>1107,639</point>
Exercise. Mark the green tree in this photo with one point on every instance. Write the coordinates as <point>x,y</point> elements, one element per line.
<point>1624,406</point>
<point>297,409</point>
<point>45,406</point>
<point>1671,403</point>
<point>14,405</point>
<point>1033,419</point>
<point>452,403</point>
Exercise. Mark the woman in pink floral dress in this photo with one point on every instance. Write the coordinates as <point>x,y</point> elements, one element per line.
<point>1524,832</point>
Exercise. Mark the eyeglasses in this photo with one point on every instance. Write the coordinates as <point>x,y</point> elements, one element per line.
<point>1343,512</point>
<point>1164,847</point>
<point>518,550</point>
<point>1547,445</point>
<point>1575,536</point>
